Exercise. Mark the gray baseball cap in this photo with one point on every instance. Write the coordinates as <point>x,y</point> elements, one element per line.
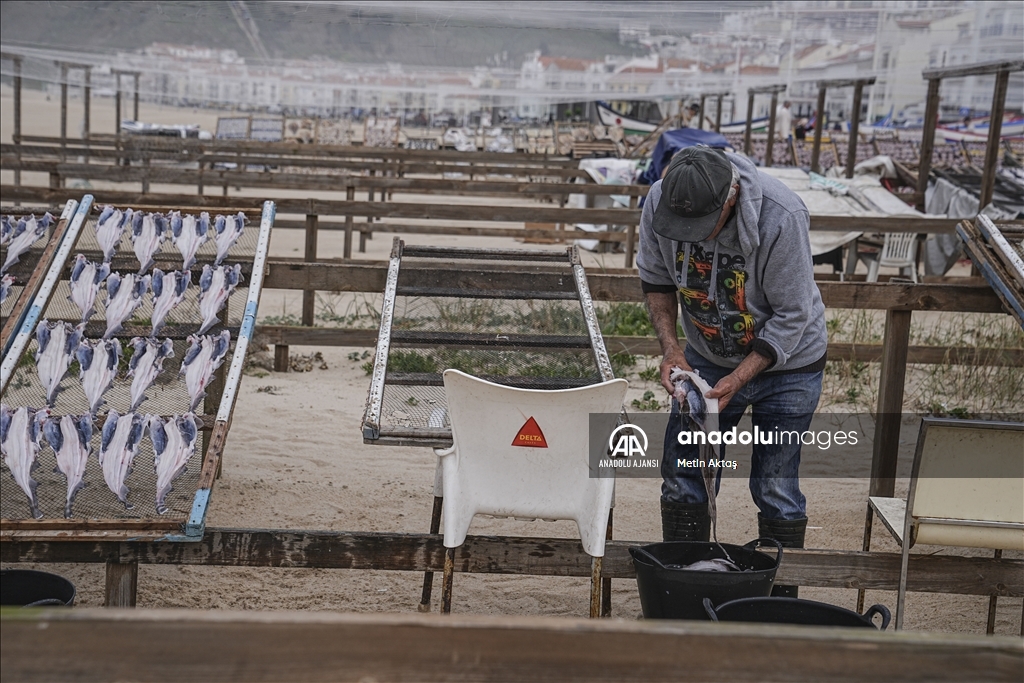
<point>693,192</point>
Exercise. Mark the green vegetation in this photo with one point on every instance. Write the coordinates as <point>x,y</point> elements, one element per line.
<point>648,403</point>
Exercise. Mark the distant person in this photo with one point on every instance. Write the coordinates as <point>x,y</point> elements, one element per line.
<point>784,121</point>
<point>691,116</point>
<point>800,131</point>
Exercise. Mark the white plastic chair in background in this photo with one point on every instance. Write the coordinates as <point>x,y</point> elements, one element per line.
<point>523,453</point>
<point>965,491</point>
<point>899,250</point>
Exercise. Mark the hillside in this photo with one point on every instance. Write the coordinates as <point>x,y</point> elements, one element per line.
<point>353,33</point>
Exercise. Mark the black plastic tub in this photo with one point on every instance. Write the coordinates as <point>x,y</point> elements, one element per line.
<point>31,588</point>
<point>669,592</point>
<point>795,611</point>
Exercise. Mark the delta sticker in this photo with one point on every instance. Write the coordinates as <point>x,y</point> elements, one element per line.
<point>530,436</point>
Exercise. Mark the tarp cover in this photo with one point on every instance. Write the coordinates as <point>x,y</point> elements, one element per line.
<point>671,141</point>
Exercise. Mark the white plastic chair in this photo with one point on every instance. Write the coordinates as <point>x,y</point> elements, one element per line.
<point>898,251</point>
<point>965,491</point>
<point>491,470</point>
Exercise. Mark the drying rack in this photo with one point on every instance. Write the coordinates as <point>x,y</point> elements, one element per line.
<point>97,513</point>
<point>448,307</point>
<point>998,255</point>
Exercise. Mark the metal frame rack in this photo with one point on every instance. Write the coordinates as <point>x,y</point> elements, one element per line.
<point>98,514</point>
<point>426,284</point>
<point>999,256</point>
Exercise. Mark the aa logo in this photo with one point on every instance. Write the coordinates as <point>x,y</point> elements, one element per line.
<point>626,441</point>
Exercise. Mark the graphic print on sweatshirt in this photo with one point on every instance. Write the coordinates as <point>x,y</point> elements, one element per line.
<point>725,324</point>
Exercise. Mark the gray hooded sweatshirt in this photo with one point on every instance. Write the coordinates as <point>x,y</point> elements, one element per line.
<point>749,289</point>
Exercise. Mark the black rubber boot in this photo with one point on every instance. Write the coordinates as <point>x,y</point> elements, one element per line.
<point>685,521</point>
<point>790,533</point>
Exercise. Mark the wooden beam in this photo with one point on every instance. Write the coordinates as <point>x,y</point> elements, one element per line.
<point>993,149</point>
<point>122,583</point>
<point>770,149</point>
<point>309,296</point>
<point>819,122</point>
<point>931,120</point>
<point>980,69</point>
<point>846,82</point>
<point>750,123</point>
<point>222,646</point>
<point>851,155</point>
<point>888,419</point>
<point>769,89</point>
<point>511,555</point>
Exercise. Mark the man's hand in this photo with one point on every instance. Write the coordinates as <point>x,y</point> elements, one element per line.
<point>729,385</point>
<point>673,359</point>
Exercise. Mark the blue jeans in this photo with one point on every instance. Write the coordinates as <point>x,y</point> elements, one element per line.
<point>783,402</point>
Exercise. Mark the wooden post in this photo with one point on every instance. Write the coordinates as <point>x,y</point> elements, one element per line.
<point>770,149</point>
<point>750,123</point>
<point>631,235</point>
<point>701,121</point>
<point>211,403</point>
<point>135,108</point>
<point>819,123</point>
<point>17,113</point>
<point>890,403</point>
<point>87,102</point>
<point>117,103</point>
<point>308,295</point>
<point>718,116</point>
<point>350,195</point>
<point>931,119</point>
<point>606,583</point>
<point>63,104</point>
<point>280,358</point>
<point>145,176</point>
<point>851,155</point>
<point>995,129</point>
<point>122,585</point>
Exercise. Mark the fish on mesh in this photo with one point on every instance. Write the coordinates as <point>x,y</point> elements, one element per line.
<point>98,361</point>
<point>174,444</point>
<point>716,564</point>
<point>86,278</point>
<point>147,362</point>
<point>205,354</point>
<point>702,412</point>
<point>57,342</point>
<point>6,230</point>
<point>227,230</point>
<point>124,296</point>
<point>122,436</point>
<point>109,227</point>
<point>23,235</point>
<point>188,234</point>
<point>168,291</point>
<point>215,286</point>
<point>70,438</point>
<point>20,430</point>
<point>6,281</point>
<point>148,233</point>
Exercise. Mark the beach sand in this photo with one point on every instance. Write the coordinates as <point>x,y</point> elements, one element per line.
<point>295,460</point>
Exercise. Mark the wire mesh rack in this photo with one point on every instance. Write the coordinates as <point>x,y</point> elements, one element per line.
<point>536,329</point>
<point>96,505</point>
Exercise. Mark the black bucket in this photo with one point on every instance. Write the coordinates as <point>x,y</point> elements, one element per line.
<point>794,611</point>
<point>30,588</point>
<point>668,592</point>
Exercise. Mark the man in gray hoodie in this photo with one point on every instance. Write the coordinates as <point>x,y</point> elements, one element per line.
<point>732,244</point>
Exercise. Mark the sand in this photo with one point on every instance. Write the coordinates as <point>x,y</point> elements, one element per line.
<point>295,460</point>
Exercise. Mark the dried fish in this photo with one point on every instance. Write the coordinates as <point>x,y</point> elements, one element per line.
<point>148,233</point>
<point>109,228</point>
<point>189,234</point>
<point>122,435</point>
<point>168,292</point>
<point>57,344</point>
<point>86,277</point>
<point>147,362</point>
<point>227,230</point>
<point>205,354</point>
<point>717,564</point>
<point>5,287</point>
<point>23,235</point>
<point>215,286</point>
<point>19,444</point>
<point>6,230</point>
<point>124,296</point>
<point>70,438</point>
<point>98,360</point>
<point>174,443</point>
